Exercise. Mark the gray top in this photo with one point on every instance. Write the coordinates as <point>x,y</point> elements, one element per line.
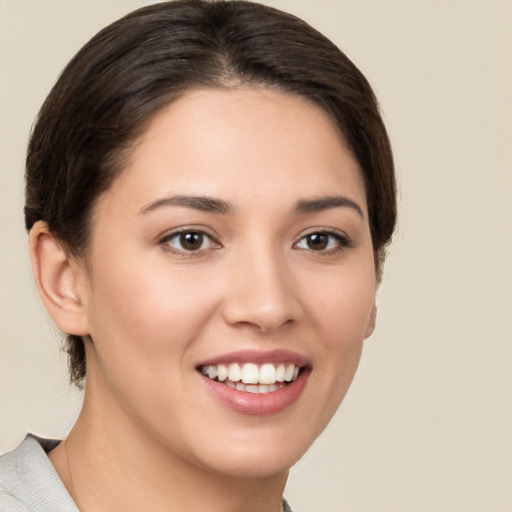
<point>29,482</point>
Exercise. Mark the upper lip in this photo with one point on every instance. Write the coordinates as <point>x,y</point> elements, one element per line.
<point>257,357</point>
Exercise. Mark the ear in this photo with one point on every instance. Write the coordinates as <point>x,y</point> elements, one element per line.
<point>60,281</point>
<point>372,320</point>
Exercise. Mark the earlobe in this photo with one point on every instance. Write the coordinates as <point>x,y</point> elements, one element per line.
<point>59,280</point>
<point>372,321</point>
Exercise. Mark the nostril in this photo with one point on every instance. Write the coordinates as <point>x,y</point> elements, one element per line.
<point>263,318</point>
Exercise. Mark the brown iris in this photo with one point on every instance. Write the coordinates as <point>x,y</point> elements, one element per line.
<point>318,241</point>
<point>191,241</point>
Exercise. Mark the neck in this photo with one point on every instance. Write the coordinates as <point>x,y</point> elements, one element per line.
<point>109,463</point>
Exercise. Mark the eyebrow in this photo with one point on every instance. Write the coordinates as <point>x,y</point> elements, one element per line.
<point>324,203</point>
<point>202,203</point>
<point>209,204</point>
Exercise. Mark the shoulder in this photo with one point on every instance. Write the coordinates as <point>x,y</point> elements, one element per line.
<point>29,482</point>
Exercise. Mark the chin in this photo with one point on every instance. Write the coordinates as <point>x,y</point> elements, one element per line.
<point>253,464</point>
<point>255,453</point>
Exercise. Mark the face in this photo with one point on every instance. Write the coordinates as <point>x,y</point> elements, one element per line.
<point>231,281</point>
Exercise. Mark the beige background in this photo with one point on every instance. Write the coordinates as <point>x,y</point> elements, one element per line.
<point>427,425</point>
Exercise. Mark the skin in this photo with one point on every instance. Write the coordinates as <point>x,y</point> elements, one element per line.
<point>150,435</point>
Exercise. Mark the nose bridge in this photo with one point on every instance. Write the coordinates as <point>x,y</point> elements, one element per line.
<point>262,293</point>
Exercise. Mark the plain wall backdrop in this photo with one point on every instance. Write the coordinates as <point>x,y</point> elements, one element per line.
<point>427,425</point>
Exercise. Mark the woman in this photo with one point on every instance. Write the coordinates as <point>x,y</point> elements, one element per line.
<point>210,191</point>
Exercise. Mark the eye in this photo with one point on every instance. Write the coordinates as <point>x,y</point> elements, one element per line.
<point>188,241</point>
<point>326,241</point>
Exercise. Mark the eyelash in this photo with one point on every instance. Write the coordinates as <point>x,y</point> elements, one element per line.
<point>341,242</point>
<point>188,253</point>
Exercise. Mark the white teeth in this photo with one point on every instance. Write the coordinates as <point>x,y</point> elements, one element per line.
<point>251,378</point>
<point>222,372</point>
<point>212,372</point>
<point>267,374</point>
<point>255,388</point>
<point>288,374</point>
<point>234,372</point>
<point>250,373</point>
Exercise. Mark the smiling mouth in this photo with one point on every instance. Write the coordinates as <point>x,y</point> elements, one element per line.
<point>252,377</point>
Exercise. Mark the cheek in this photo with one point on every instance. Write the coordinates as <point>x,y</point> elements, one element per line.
<point>143,324</point>
<point>144,310</point>
<point>343,312</point>
<point>341,319</point>
<point>343,303</point>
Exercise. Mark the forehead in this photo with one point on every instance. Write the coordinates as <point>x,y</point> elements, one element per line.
<point>240,144</point>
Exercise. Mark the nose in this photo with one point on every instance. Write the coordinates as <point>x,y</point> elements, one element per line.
<point>262,295</point>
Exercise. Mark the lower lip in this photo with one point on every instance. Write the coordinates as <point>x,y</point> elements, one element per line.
<point>258,404</point>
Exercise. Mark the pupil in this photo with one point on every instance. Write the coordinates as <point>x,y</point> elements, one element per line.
<point>191,241</point>
<point>318,241</point>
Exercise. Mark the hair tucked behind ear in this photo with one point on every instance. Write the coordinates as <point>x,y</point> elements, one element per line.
<point>132,68</point>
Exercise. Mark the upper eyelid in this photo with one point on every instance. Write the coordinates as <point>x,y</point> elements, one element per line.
<point>205,230</point>
<point>328,231</point>
<point>188,229</point>
<point>164,243</point>
<point>343,239</point>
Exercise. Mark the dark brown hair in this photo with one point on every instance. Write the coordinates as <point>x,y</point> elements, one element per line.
<point>127,72</point>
